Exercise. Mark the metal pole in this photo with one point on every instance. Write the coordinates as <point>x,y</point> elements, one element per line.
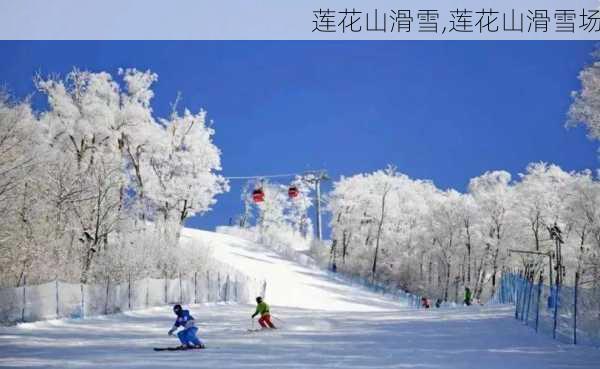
<point>537,309</point>
<point>318,208</point>
<point>557,284</point>
<point>555,301</point>
<point>575,308</point>
<point>316,177</point>
<point>550,265</point>
<point>24,297</point>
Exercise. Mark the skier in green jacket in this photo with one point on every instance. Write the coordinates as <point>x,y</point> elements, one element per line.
<point>262,308</point>
<point>468,296</point>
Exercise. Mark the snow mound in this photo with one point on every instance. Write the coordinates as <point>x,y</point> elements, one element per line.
<point>288,283</point>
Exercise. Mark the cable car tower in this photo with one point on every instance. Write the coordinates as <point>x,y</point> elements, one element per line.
<point>316,177</point>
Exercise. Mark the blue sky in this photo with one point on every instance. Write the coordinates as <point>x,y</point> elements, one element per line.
<point>445,111</point>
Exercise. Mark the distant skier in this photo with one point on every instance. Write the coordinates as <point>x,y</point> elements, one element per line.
<point>187,336</point>
<point>425,302</point>
<point>265,315</point>
<point>468,296</point>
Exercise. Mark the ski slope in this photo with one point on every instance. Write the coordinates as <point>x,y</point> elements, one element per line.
<point>288,283</point>
<point>324,324</point>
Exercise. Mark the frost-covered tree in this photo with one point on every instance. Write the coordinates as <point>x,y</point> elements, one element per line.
<point>298,207</point>
<point>435,242</point>
<point>494,197</point>
<point>185,169</point>
<point>585,108</point>
<point>95,177</point>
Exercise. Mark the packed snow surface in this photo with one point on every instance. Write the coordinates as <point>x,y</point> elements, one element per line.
<point>288,282</point>
<point>324,324</point>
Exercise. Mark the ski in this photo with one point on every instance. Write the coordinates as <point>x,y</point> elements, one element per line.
<point>260,330</point>
<point>178,348</point>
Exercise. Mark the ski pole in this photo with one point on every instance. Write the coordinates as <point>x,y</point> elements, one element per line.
<point>281,320</point>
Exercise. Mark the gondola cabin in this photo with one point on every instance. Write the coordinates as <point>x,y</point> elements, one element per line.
<point>293,192</point>
<point>258,195</point>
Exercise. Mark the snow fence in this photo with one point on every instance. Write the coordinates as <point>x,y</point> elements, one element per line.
<point>570,314</point>
<point>58,299</point>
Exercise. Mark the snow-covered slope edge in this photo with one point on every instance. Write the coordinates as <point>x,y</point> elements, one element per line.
<point>288,283</point>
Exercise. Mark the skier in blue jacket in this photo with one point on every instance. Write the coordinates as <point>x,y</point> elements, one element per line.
<point>187,336</point>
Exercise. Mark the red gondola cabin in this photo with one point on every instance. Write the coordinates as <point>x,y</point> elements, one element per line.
<point>293,192</point>
<point>258,195</point>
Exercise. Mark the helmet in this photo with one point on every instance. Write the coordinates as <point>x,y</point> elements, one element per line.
<point>177,309</point>
<point>259,299</point>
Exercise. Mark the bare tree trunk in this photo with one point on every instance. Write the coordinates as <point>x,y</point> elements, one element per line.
<point>495,271</point>
<point>430,271</point>
<point>333,252</point>
<point>345,242</point>
<point>379,230</point>
<point>468,245</point>
<point>421,267</point>
<point>446,289</point>
<point>87,264</point>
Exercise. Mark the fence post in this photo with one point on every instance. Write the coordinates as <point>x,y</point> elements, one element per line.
<point>219,297</point>
<point>555,301</point>
<point>235,288</point>
<point>575,308</point>
<point>530,290</point>
<point>515,290</point>
<point>227,289</point>
<point>510,291</point>
<point>147,291</point>
<point>525,315</point>
<point>539,296</point>
<point>106,301</point>
<point>525,311</point>
<point>264,289</point>
<point>166,289</point>
<point>207,286</point>
<point>129,292</point>
<point>195,287</point>
<point>82,301</point>
<point>524,298</point>
<point>57,300</point>
<point>24,297</point>
<point>511,288</point>
<point>180,290</point>
<point>518,298</point>
<point>503,289</point>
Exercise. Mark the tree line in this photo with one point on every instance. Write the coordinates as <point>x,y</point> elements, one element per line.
<point>92,184</point>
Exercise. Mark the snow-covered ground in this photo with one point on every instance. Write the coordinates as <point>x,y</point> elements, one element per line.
<point>288,283</point>
<point>324,325</point>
